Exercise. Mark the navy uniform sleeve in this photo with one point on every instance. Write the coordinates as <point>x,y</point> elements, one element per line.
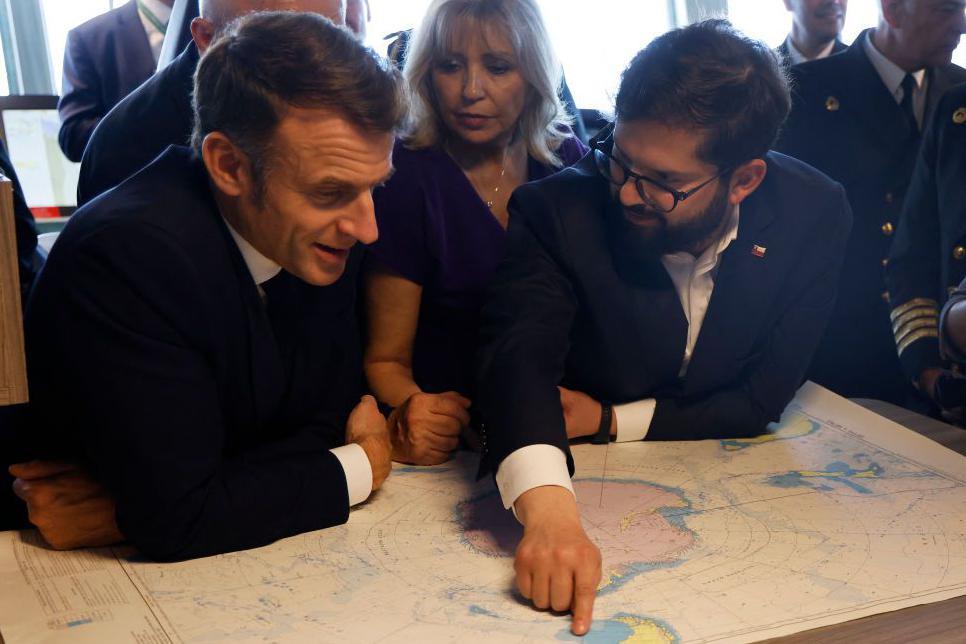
<point>913,272</point>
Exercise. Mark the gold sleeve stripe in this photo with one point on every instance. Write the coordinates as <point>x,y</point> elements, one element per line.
<point>911,304</point>
<point>916,325</point>
<point>913,316</point>
<point>914,337</point>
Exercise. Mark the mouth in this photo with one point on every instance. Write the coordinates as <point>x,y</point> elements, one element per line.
<point>330,254</point>
<point>644,220</point>
<point>472,121</point>
<point>830,14</point>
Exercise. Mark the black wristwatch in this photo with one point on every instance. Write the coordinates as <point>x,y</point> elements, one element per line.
<point>602,437</point>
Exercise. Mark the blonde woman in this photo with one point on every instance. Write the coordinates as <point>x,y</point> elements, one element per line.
<point>485,118</point>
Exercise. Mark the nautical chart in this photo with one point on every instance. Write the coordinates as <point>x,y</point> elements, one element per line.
<point>834,514</point>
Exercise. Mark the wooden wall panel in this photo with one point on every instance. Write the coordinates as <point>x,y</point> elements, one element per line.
<point>13,366</point>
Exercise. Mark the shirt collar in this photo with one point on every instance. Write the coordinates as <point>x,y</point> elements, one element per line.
<point>796,57</point>
<point>890,73</point>
<point>261,268</point>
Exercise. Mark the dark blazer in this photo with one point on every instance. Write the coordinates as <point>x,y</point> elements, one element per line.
<point>152,359</point>
<point>786,56</point>
<point>106,59</point>
<point>24,226</point>
<point>121,145</point>
<point>928,258</point>
<point>564,310</point>
<point>846,123</point>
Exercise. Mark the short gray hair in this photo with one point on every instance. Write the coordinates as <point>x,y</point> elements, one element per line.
<point>543,123</point>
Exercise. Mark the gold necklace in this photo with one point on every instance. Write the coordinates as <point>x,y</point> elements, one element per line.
<point>496,188</point>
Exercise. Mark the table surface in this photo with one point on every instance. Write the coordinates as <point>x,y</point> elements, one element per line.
<point>931,623</point>
<point>937,623</point>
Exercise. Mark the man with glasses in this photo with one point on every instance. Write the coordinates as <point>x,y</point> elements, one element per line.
<point>672,285</point>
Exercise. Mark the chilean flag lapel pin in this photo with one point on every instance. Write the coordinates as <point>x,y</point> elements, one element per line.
<point>758,251</point>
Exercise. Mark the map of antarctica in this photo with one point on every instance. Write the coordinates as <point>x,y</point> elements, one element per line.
<point>813,523</point>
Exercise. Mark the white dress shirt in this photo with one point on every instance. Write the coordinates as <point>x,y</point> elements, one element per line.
<point>693,278</point>
<point>892,75</point>
<point>796,57</point>
<point>355,463</point>
<point>148,9</point>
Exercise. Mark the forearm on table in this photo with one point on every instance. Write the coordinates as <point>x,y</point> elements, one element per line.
<point>391,380</point>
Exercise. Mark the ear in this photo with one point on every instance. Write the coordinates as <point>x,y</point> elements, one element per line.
<point>893,12</point>
<point>745,180</point>
<point>202,32</point>
<point>228,167</point>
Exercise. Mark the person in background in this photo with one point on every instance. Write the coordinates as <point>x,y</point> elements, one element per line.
<point>357,16</point>
<point>158,113</point>
<point>205,395</point>
<point>816,25</point>
<point>670,286</point>
<point>485,119</point>
<point>857,117</point>
<point>928,258</point>
<point>107,58</point>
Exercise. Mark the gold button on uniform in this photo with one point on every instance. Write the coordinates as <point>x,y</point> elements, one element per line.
<point>885,262</point>
<point>959,116</point>
<point>832,104</point>
<point>888,228</point>
<point>959,252</point>
<point>885,296</point>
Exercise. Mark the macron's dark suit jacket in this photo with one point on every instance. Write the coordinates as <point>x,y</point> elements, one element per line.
<point>562,311</point>
<point>928,258</point>
<point>105,60</point>
<point>140,127</point>
<point>152,359</point>
<point>845,122</point>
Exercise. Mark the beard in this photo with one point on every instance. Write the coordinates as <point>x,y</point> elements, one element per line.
<point>655,235</point>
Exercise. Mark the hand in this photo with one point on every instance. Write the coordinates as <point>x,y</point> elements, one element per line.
<point>426,428</point>
<point>367,428</point>
<point>581,414</point>
<point>70,508</point>
<point>557,566</point>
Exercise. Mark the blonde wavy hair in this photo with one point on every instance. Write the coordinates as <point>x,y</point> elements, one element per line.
<point>543,124</point>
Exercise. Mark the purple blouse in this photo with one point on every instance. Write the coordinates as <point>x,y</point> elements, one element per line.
<point>435,230</point>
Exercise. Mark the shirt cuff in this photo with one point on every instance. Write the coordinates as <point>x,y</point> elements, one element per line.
<point>634,419</point>
<point>358,471</point>
<point>529,467</point>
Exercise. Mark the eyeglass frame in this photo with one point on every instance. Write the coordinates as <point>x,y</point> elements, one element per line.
<point>679,195</point>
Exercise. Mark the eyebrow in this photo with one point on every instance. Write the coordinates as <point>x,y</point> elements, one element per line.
<point>333,182</point>
<point>669,176</point>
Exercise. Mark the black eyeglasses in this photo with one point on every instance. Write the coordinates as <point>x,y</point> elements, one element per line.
<point>654,193</point>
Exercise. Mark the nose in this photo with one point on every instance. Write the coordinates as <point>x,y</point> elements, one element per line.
<point>628,194</point>
<point>360,224</point>
<point>472,84</point>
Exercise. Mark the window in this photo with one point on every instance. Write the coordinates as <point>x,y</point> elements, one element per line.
<point>59,18</point>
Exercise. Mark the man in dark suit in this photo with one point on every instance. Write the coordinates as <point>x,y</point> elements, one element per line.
<point>856,116</point>
<point>680,272</point>
<point>928,258</point>
<point>816,25</point>
<point>192,339</point>
<point>122,145</point>
<point>105,60</point>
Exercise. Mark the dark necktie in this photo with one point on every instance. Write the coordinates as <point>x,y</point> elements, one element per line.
<point>281,305</point>
<point>908,90</point>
